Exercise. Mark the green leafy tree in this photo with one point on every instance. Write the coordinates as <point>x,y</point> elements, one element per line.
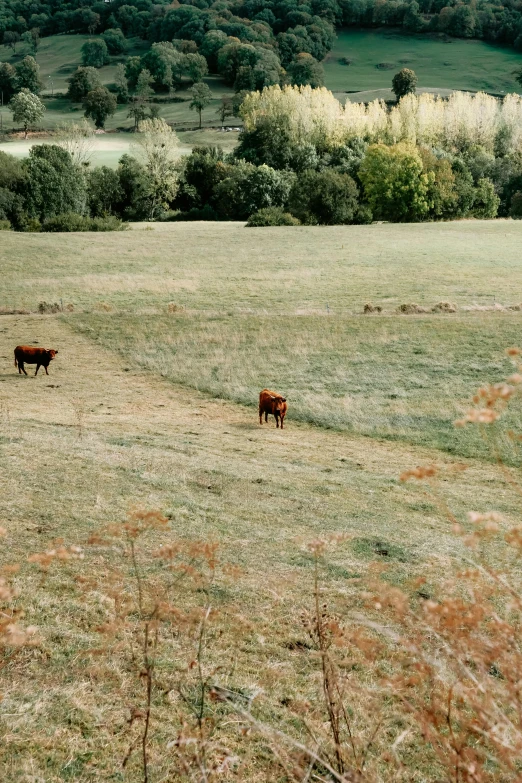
<point>140,105</point>
<point>195,67</point>
<point>306,70</point>
<point>55,185</point>
<point>32,39</point>
<point>27,75</point>
<point>133,68</point>
<point>157,146</point>
<point>115,40</point>
<point>395,184</point>
<point>516,205</point>
<point>201,172</point>
<point>11,38</point>
<point>486,201</point>
<point>163,61</point>
<point>135,186</point>
<point>404,82</point>
<point>518,73</point>
<point>7,82</point>
<point>83,80</point>
<point>226,109</point>
<point>99,104</point>
<point>104,192</point>
<point>121,87</point>
<point>27,108</point>
<point>201,98</point>
<point>248,188</point>
<point>324,197</point>
<point>95,53</point>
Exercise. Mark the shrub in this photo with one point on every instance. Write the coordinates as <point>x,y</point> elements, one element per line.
<point>516,206</point>
<point>324,197</point>
<point>205,213</point>
<point>70,221</point>
<point>250,188</point>
<point>5,225</point>
<point>272,216</point>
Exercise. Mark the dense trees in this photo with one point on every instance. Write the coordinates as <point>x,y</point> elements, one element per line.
<point>301,154</point>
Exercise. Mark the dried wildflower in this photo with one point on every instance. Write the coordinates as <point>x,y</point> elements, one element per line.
<point>513,351</point>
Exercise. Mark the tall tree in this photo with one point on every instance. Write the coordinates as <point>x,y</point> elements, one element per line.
<point>201,98</point>
<point>404,82</point>
<point>27,75</point>
<point>306,70</point>
<point>157,146</point>
<point>95,53</point>
<point>27,108</point>
<point>99,104</point>
<point>55,185</point>
<point>11,38</point>
<point>81,82</point>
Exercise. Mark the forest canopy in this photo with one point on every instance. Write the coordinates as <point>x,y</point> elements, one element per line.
<point>267,34</point>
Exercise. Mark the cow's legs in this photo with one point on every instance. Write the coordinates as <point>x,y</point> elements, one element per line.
<point>266,417</point>
<point>37,368</point>
<point>260,416</point>
<point>45,366</point>
<point>282,417</point>
<point>21,368</point>
<point>276,415</point>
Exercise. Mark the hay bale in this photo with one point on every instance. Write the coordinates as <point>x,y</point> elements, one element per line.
<point>48,307</point>
<point>444,307</point>
<point>371,308</point>
<point>172,307</point>
<point>411,308</point>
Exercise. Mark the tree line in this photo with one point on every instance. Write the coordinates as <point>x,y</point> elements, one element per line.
<point>302,158</point>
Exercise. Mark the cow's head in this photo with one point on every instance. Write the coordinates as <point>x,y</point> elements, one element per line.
<point>278,403</point>
<point>51,353</point>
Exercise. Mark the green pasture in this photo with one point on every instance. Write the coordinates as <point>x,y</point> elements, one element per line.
<point>448,64</point>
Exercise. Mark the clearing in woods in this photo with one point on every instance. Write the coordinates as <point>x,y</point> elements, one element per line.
<point>104,432</point>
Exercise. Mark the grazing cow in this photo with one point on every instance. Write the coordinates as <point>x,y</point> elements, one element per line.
<point>272,402</point>
<point>25,354</point>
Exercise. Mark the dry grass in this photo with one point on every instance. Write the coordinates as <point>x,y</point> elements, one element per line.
<point>102,435</point>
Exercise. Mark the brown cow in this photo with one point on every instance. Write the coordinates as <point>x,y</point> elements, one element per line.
<point>26,354</point>
<point>272,402</point>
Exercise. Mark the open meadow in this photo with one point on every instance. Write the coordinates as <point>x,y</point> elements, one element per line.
<point>365,60</point>
<point>168,333</point>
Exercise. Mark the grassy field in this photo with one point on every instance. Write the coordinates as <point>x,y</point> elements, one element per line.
<point>449,65</point>
<point>153,408</point>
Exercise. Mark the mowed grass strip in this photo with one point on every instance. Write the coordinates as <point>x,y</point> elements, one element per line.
<point>401,378</point>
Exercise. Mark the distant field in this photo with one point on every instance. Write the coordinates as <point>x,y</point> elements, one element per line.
<point>108,148</point>
<point>456,64</point>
